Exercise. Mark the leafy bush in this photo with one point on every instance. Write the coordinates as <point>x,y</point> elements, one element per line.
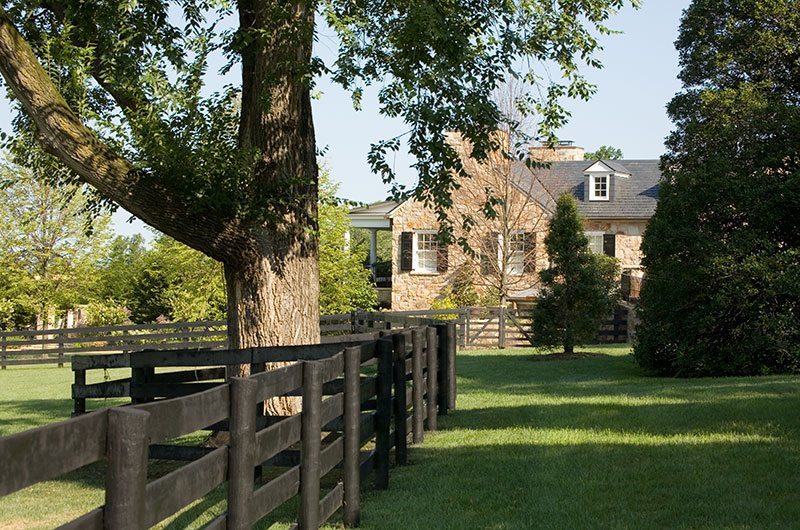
<point>462,289</point>
<point>106,313</point>
<point>445,302</point>
<point>722,253</point>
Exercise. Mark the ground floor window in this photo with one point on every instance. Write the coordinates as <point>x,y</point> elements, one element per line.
<point>426,248</point>
<point>516,254</point>
<point>595,242</point>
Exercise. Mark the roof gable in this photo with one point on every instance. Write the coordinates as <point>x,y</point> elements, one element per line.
<point>608,166</point>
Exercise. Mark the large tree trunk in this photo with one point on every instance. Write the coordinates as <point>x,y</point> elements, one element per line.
<point>273,294</point>
<point>273,307</point>
<point>273,302</point>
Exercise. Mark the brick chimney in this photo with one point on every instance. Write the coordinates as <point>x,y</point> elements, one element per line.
<point>562,151</point>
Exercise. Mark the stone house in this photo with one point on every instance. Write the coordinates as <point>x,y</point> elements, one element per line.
<point>616,199</point>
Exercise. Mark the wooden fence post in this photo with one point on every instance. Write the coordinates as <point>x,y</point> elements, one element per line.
<point>78,404</point>
<point>351,511</point>
<point>400,404</point>
<point>124,341</point>
<point>451,366</point>
<point>60,348</point>
<point>468,311</point>
<point>443,371</point>
<point>501,327</point>
<point>3,354</point>
<point>431,353</point>
<point>310,445</point>
<point>241,455</point>
<point>383,413</point>
<point>126,474</point>
<point>417,383</point>
<point>257,368</point>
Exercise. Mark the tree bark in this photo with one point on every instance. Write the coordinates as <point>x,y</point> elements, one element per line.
<point>274,298</point>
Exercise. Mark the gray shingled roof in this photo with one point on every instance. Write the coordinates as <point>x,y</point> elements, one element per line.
<point>634,197</point>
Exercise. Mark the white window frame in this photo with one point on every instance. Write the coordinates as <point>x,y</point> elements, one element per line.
<point>415,262</point>
<point>592,187</point>
<point>591,234</point>
<point>511,271</point>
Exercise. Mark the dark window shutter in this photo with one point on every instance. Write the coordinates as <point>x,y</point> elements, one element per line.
<point>406,251</point>
<point>486,266</point>
<point>441,258</point>
<point>530,252</point>
<point>489,254</point>
<point>610,245</point>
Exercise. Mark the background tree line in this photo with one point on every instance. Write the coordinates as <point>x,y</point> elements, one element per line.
<point>56,255</point>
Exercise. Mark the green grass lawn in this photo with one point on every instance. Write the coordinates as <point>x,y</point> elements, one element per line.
<point>586,442</point>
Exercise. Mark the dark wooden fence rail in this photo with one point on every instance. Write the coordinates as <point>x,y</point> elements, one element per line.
<point>57,346</point>
<point>388,389</point>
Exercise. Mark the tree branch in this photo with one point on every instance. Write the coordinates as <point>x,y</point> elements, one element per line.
<point>62,134</point>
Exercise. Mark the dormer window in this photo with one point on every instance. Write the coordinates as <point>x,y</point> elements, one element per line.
<point>598,187</point>
<point>597,184</point>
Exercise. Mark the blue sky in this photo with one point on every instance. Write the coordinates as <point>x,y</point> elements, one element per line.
<point>628,111</point>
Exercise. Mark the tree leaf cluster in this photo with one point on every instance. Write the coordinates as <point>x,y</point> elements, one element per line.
<point>345,283</point>
<point>722,291</point>
<point>604,152</point>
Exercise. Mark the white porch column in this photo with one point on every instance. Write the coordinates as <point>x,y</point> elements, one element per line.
<point>373,249</point>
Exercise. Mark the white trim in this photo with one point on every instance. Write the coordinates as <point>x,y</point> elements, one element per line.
<point>598,167</point>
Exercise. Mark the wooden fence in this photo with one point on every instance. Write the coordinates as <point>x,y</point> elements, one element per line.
<point>487,327</point>
<point>57,346</point>
<point>477,327</point>
<point>386,390</point>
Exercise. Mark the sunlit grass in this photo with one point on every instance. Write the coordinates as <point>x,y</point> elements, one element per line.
<point>591,443</point>
<point>582,443</point>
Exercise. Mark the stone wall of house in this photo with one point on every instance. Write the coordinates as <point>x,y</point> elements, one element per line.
<point>628,239</point>
<point>417,290</point>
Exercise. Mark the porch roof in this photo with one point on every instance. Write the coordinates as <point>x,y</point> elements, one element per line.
<point>375,216</point>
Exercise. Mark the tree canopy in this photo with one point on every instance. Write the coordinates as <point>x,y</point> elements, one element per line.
<point>604,152</point>
<point>47,254</point>
<point>722,253</point>
<point>117,91</point>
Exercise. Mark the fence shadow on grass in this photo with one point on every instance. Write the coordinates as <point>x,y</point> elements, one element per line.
<point>19,415</point>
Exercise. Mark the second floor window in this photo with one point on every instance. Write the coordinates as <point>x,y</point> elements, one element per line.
<point>598,189</point>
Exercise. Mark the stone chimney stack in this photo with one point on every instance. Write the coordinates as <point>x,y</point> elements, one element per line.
<point>563,151</point>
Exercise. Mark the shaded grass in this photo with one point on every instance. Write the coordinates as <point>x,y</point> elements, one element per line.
<point>586,442</point>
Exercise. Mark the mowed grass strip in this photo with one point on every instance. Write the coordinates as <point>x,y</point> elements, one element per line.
<point>583,442</point>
